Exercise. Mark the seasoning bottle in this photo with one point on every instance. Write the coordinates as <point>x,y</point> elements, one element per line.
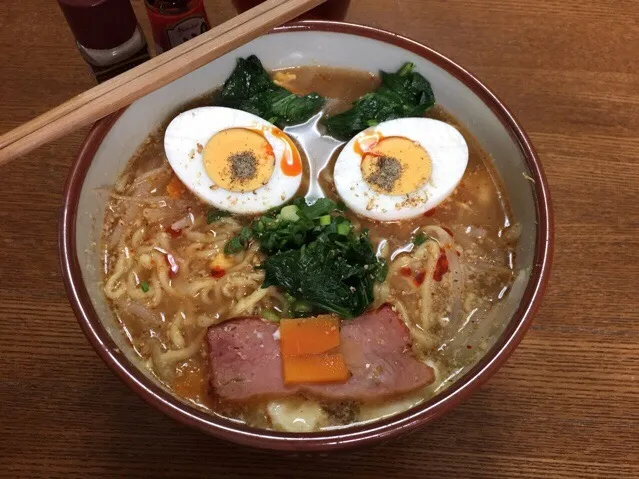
<point>107,35</point>
<point>331,9</point>
<point>176,21</point>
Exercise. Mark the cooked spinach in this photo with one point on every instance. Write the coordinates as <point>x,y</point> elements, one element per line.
<point>250,88</point>
<point>403,94</point>
<point>316,257</point>
<point>333,274</point>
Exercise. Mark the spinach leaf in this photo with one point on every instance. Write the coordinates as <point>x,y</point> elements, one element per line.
<point>316,257</point>
<point>401,95</point>
<point>249,88</point>
<point>248,78</point>
<point>290,109</point>
<point>334,273</point>
<point>321,207</point>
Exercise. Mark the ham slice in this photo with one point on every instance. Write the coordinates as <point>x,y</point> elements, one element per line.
<point>245,360</point>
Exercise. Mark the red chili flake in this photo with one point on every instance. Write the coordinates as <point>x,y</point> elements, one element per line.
<point>430,212</point>
<point>406,271</point>
<point>217,272</point>
<point>448,231</point>
<point>419,278</point>
<point>441,268</point>
<point>174,268</point>
<point>173,233</point>
<point>468,346</point>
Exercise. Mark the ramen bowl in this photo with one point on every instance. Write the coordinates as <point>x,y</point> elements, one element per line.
<point>114,140</point>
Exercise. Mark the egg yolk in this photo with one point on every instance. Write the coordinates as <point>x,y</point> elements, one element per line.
<point>239,160</point>
<point>396,166</point>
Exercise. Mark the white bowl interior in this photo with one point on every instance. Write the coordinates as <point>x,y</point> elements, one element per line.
<point>290,49</point>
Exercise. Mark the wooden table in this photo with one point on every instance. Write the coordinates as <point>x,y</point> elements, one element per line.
<point>565,405</point>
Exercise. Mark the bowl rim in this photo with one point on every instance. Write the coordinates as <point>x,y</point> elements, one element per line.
<point>348,437</point>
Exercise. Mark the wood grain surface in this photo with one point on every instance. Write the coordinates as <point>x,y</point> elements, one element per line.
<point>119,92</point>
<point>565,405</point>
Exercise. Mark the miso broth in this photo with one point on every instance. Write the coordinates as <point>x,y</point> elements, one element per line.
<point>158,251</point>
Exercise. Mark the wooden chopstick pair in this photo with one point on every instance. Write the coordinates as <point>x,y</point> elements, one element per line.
<point>124,89</point>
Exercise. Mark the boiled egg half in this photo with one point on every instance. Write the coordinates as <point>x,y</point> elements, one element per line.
<point>233,160</point>
<point>401,168</point>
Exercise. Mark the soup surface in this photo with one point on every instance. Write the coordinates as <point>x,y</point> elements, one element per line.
<point>168,279</point>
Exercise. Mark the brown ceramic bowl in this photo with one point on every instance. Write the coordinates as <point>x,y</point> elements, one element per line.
<point>112,142</point>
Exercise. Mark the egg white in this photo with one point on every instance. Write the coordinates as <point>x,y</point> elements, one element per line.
<point>448,152</point>
<point>198,126</point>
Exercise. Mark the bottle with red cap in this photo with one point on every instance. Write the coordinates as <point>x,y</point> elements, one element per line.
<point>176,21</point>
<point>107,34</point>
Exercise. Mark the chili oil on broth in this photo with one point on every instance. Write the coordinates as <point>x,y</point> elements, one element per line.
<point>484,235</point>
<point>166,324</point>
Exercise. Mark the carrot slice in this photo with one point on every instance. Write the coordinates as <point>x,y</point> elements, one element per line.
<point>175,188</point>
<point>317,368</point>
<point>300,337</point>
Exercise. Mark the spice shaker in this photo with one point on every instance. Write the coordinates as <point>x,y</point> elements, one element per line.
<point>176,21</point>
<point>107,35</point>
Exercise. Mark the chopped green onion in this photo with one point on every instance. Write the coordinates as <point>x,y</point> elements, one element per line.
<point>214,215</point>
<point>419,239</point>
<point>406,69</point>
<point>302,307</point>
<point>233,246</point>
<point>343,229</point>
<point>238,243</point>
<point>382,271</point>
<point>325,220</point>
<point>289,298</point>
<point>288,305</point>
<point>144,286</point>
<point>289,213</point>
<point>271,315</point>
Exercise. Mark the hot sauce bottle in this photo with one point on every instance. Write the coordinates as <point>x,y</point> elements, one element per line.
<point>176,21</point>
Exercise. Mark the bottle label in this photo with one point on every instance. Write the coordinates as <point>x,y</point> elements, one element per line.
<point>185,30</point>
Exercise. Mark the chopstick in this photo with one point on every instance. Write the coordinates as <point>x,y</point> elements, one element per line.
<point>124,89</point>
